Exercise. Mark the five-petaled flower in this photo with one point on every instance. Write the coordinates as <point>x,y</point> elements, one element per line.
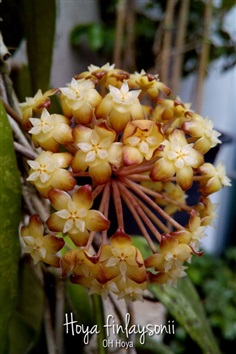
<point>97,150</point>
<point>48,171</point>
<point>177,157</point>
<point>73,215</point>
<point>41,247</point>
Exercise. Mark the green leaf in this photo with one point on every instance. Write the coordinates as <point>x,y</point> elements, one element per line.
<point>142,245</point>
<point>96,37</point>
<point>26,323</point>
<point>79,300</point>
<point>10,192</point>
<point>185,306</point>
<point>152,346</point>
<point>39,18</point>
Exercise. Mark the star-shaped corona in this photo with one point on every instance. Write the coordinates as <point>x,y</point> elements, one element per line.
<point>122,155</point>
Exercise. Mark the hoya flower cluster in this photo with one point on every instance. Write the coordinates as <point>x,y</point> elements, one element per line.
<point>117,146</point>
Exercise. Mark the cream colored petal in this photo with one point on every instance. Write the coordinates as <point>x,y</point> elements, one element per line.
<point>96,221</point>
<point>101,172</point>
<point>132,155</point>
<point>59,199</point>
<point>82,197</point>
<point>162,170</point>
<point>184,177</point>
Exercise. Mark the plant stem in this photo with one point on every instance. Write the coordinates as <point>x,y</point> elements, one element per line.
<point>49,333</point>
<point>119,32</point>
<point>133,200</point>
<point>60,295</point>
<point>118,204</point>
<point>129,201</point>
<point>179,44</point>
<point>99,319</point>
<point>204,55</point>
<point>136,189</point>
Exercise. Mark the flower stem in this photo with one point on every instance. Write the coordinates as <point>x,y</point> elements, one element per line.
<point>118,204</point>
<point>136,189</point>
<point>132,205</point>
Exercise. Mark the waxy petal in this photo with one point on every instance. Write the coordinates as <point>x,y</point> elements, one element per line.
<point>83,197</point>
<point>162,170</point>
<point>96,221</point>
<point>100,172</point>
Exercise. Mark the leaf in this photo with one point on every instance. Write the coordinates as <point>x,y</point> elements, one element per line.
<point>152,346</point>
<point>26,323</point>
<point>10,191</point>
<point>142,245</point>
<point>185,306</point>
<point>96,37</point>
<point>80,302</point>
<point>39,19</point>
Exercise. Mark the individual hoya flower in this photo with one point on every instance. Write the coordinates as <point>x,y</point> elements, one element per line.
<point>202,129</point>
<point>79,266</point>
<point>171,112</point>
<point>193,233</point>
<point>79,100</point>
<point>214,178</point>
<point>73,215</point>
<point>177,157</point>
<point>148,83</point>
<point>40,247</point>
<point>98,151</point>
<point>123,257</point>
<point>96,73</point>
<point>171,277</point>
<point>50,130</point>
<point>120,106</point>
<point>131,291</point>
<point>172,253</point>
<point>206,210</point>
<point>141,138</point>
<point>48,171</point>
<point>34,105</point>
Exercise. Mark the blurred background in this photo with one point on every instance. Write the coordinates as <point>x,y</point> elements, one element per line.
<point>191,44</point>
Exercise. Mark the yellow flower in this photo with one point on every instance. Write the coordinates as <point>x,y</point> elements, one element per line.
<point>79,99</point>
<point>73,216</point>
<point>172,253</point>
<point>202,129</point>
<point>141,138</point>
<point>124,258</point>
<point>50,130</point>
<point>48,171</point>
<point>214,178</point>
<point>120,106</point>
<point>97,151</point>
<point>148,83</point>
<point>35,105</point>
<point>178,157</point>
<point>40,247</point>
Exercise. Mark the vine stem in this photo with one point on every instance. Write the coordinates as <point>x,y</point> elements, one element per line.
<point>136,189</point>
